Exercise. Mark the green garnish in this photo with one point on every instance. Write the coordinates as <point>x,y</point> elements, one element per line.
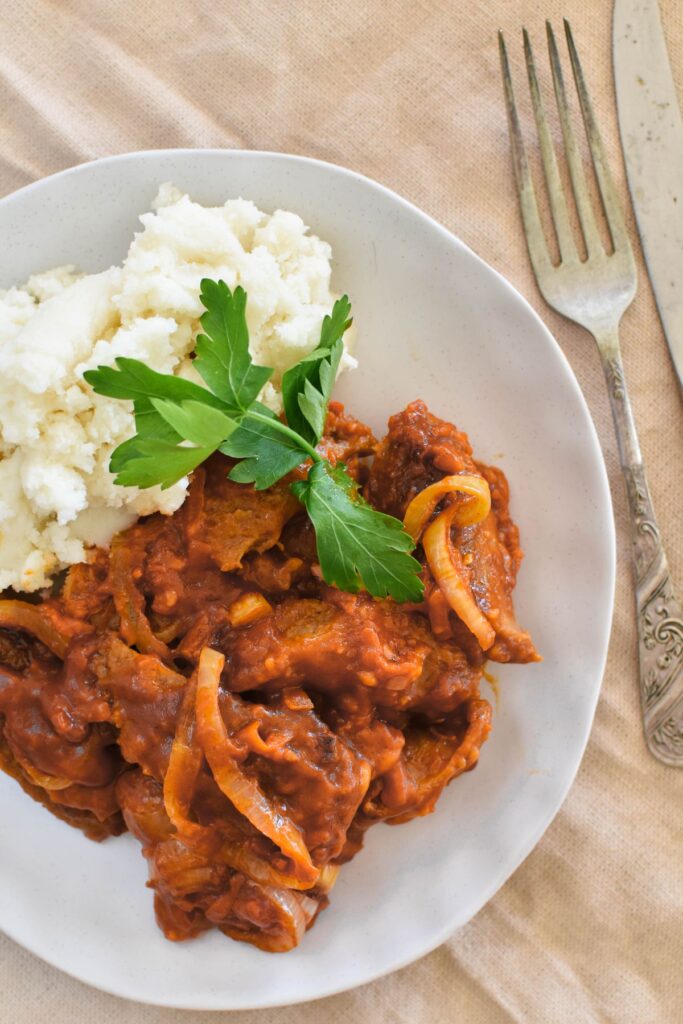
<point>179,424</point>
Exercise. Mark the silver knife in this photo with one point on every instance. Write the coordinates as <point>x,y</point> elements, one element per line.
<point>652,139</point>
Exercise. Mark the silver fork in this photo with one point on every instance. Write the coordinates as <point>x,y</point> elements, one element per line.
<point>594,293</point>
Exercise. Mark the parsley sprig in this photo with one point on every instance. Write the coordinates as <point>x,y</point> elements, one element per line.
<point>179,424</point>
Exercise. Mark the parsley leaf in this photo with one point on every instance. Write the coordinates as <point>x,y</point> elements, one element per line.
<point>149,461</point>
<point>148,422</point>
<point>223,357</point>
<point>154,455</point>
<point>357,546</point>
<point>195,422</point>
<point>268,451</point>
<point>134,380</point>
<point>307,386</point>
<point>336,323</point>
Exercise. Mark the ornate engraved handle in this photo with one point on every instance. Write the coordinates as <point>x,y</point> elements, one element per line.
<point>660,617</point>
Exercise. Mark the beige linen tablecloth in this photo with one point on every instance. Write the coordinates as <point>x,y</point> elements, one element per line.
<point>590,928</point>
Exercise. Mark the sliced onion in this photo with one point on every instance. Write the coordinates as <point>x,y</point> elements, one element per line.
<point>309,906</point>
<point>466,754</point>
<point>472,510</point>
<point>52,783</point>
<point>129,601</point>
<point>239,857</point>
<point>328,876</point>
<point>292,914</point>
<point>243,792</point>
<point>52,629</point>
<point>439,612</point>
<point>478,728</point>
<point>247,609</point>
<point>449,572</point>
<point>183,768</point>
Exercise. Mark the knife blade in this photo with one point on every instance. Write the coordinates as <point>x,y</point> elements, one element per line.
<point>652,140</point>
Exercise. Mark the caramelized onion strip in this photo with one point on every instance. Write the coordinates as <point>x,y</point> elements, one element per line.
<point>53,630</point>
<point>241,858</point>
<point>247,609</point>
<point>464,757</point>
<point>449,572</point>
<point>129,601</point>
<point>183,768</point>
<point>328,877</point>
<point>243,792</point>
<point>290,912</point>
<point>472,510</point>
<point>179,786</point>
<point>52,783</point>
<point>466,754</point>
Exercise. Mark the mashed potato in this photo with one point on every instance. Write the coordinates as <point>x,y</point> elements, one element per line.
<point>56,436</point>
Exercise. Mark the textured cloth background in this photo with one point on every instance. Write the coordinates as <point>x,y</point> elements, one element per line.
<point>590,928</point>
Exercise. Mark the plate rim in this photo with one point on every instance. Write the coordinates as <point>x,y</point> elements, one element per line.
<point>204,1001</point>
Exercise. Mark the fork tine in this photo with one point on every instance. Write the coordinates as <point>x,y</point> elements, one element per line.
<point>536,243</point>
<point>576,171</point>
<point>558,204</point>
<point>608,193</point>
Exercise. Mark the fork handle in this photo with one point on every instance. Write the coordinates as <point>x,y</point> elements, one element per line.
<point>659,613</point>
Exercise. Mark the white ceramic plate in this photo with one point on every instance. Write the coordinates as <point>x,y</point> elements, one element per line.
<point>434,322</point>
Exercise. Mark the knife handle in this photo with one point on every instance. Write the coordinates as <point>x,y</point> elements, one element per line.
<point>659,613</point>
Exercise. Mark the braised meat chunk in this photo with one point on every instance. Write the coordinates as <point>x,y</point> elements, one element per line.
<point>418,451</point>
<point>340,643</point>
<point>347,440</point>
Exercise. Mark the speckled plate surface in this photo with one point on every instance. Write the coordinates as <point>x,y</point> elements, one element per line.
<point>433,322</point>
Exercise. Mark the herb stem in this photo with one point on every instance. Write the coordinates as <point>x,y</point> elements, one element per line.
<point>288,432</point>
